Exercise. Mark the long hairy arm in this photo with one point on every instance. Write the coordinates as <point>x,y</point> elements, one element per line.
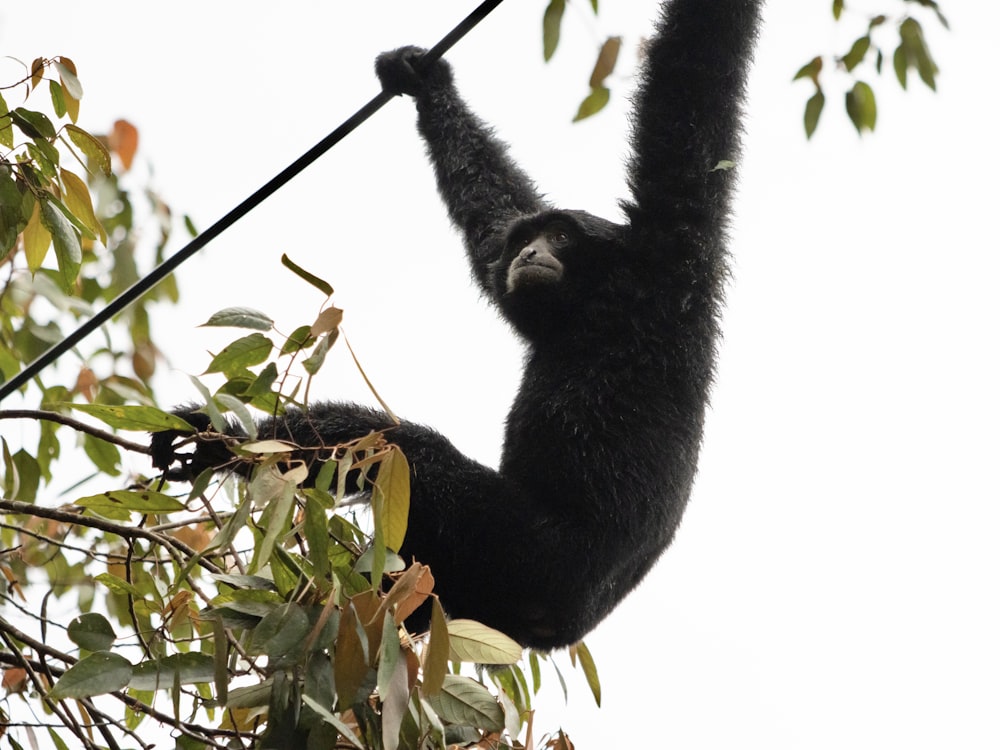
<point>481,186</point>
<point>687,122</point>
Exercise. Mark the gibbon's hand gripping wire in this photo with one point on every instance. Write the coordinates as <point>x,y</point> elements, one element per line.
<point>142,286</point>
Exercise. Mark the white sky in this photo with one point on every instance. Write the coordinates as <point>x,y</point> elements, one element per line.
<point>834,583</point>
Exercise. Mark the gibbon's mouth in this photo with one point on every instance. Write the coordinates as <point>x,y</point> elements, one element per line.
<point>542,270</point>
<point>534,275</point>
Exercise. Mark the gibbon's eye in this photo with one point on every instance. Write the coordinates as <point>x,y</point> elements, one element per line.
<point>558,237</point>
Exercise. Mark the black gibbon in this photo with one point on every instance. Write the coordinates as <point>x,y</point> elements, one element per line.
<point>620,323</point>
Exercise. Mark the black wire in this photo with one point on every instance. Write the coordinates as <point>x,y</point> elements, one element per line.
<point>157,275</point>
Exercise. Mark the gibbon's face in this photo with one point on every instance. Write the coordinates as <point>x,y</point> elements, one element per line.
<point>537,254</point>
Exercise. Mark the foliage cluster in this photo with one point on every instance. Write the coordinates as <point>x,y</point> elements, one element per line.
<point>70,242</point>
<point>911,53</point>
<point>252,614</point>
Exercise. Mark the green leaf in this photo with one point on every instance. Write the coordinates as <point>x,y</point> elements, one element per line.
<point>47,156</point>
<point>57,741</point>
<point>860,105</point>
<point>838,9</point>
<point>176,669</point>
<point>327,716</point>
<point>6,126</point>
<point>551,25</point>
<point>318,537</point>
<point>814,108</point>
<point>389,657</point>
<point>298,339</point>
<point>263,382</point>
<point>242,413</point>
<point>857,52</point>
<point>255,602</point>
<point>240,317</point>
<point>915,53</point>
<point>97,674</point>
<point>11,480</point>
<point>127,417</point>
<point>594,103</point>
<point>73,219</point>
<point>118,585</point>
<point>900,64</point>
<point>58,99</point>
<point>536,671</point>
<point>466,702</point>
<point>104,455</point>
<point>12,219</point>
<point>316,281</point>
<point>232,527</point>
<point>314,361</point>
<point>28,474</point>
<point>114,503</point>
<point>810,70</point>
<point>476,643</point>
<point>96,152</point>
<point>65,241</point>
<point>33,124</point>
<point>281,634</point>
<point>277,491</point>
<point>589,669</point>
<point>91,631</point>
<point>258,583</point>
<point>245,352</point>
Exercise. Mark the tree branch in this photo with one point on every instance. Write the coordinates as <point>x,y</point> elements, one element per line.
<point>76,424</point>
<point>76,517</point>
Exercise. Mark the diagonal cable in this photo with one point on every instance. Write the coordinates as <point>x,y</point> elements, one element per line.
<point>159,273</point>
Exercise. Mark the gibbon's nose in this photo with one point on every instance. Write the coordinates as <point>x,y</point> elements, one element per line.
<point>528,253</point>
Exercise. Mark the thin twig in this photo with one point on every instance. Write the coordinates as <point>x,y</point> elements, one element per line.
<point>174,546</point>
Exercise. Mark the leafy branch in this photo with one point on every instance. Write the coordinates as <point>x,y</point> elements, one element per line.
<point>911,53</point>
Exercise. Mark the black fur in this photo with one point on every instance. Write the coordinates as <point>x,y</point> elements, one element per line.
<point>603,437</point>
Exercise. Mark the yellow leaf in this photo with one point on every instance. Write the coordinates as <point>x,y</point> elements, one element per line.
<point>393,483</point>
<point>36,240</point>
<point>436,654</point>
<point>37,71</point>
<point>76,196</point>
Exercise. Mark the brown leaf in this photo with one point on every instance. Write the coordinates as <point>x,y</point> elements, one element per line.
<point>15,680</point>
<point>124,141</point>
<point>86,384</point>
<point>606,60</point>
<point>196,537</point>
